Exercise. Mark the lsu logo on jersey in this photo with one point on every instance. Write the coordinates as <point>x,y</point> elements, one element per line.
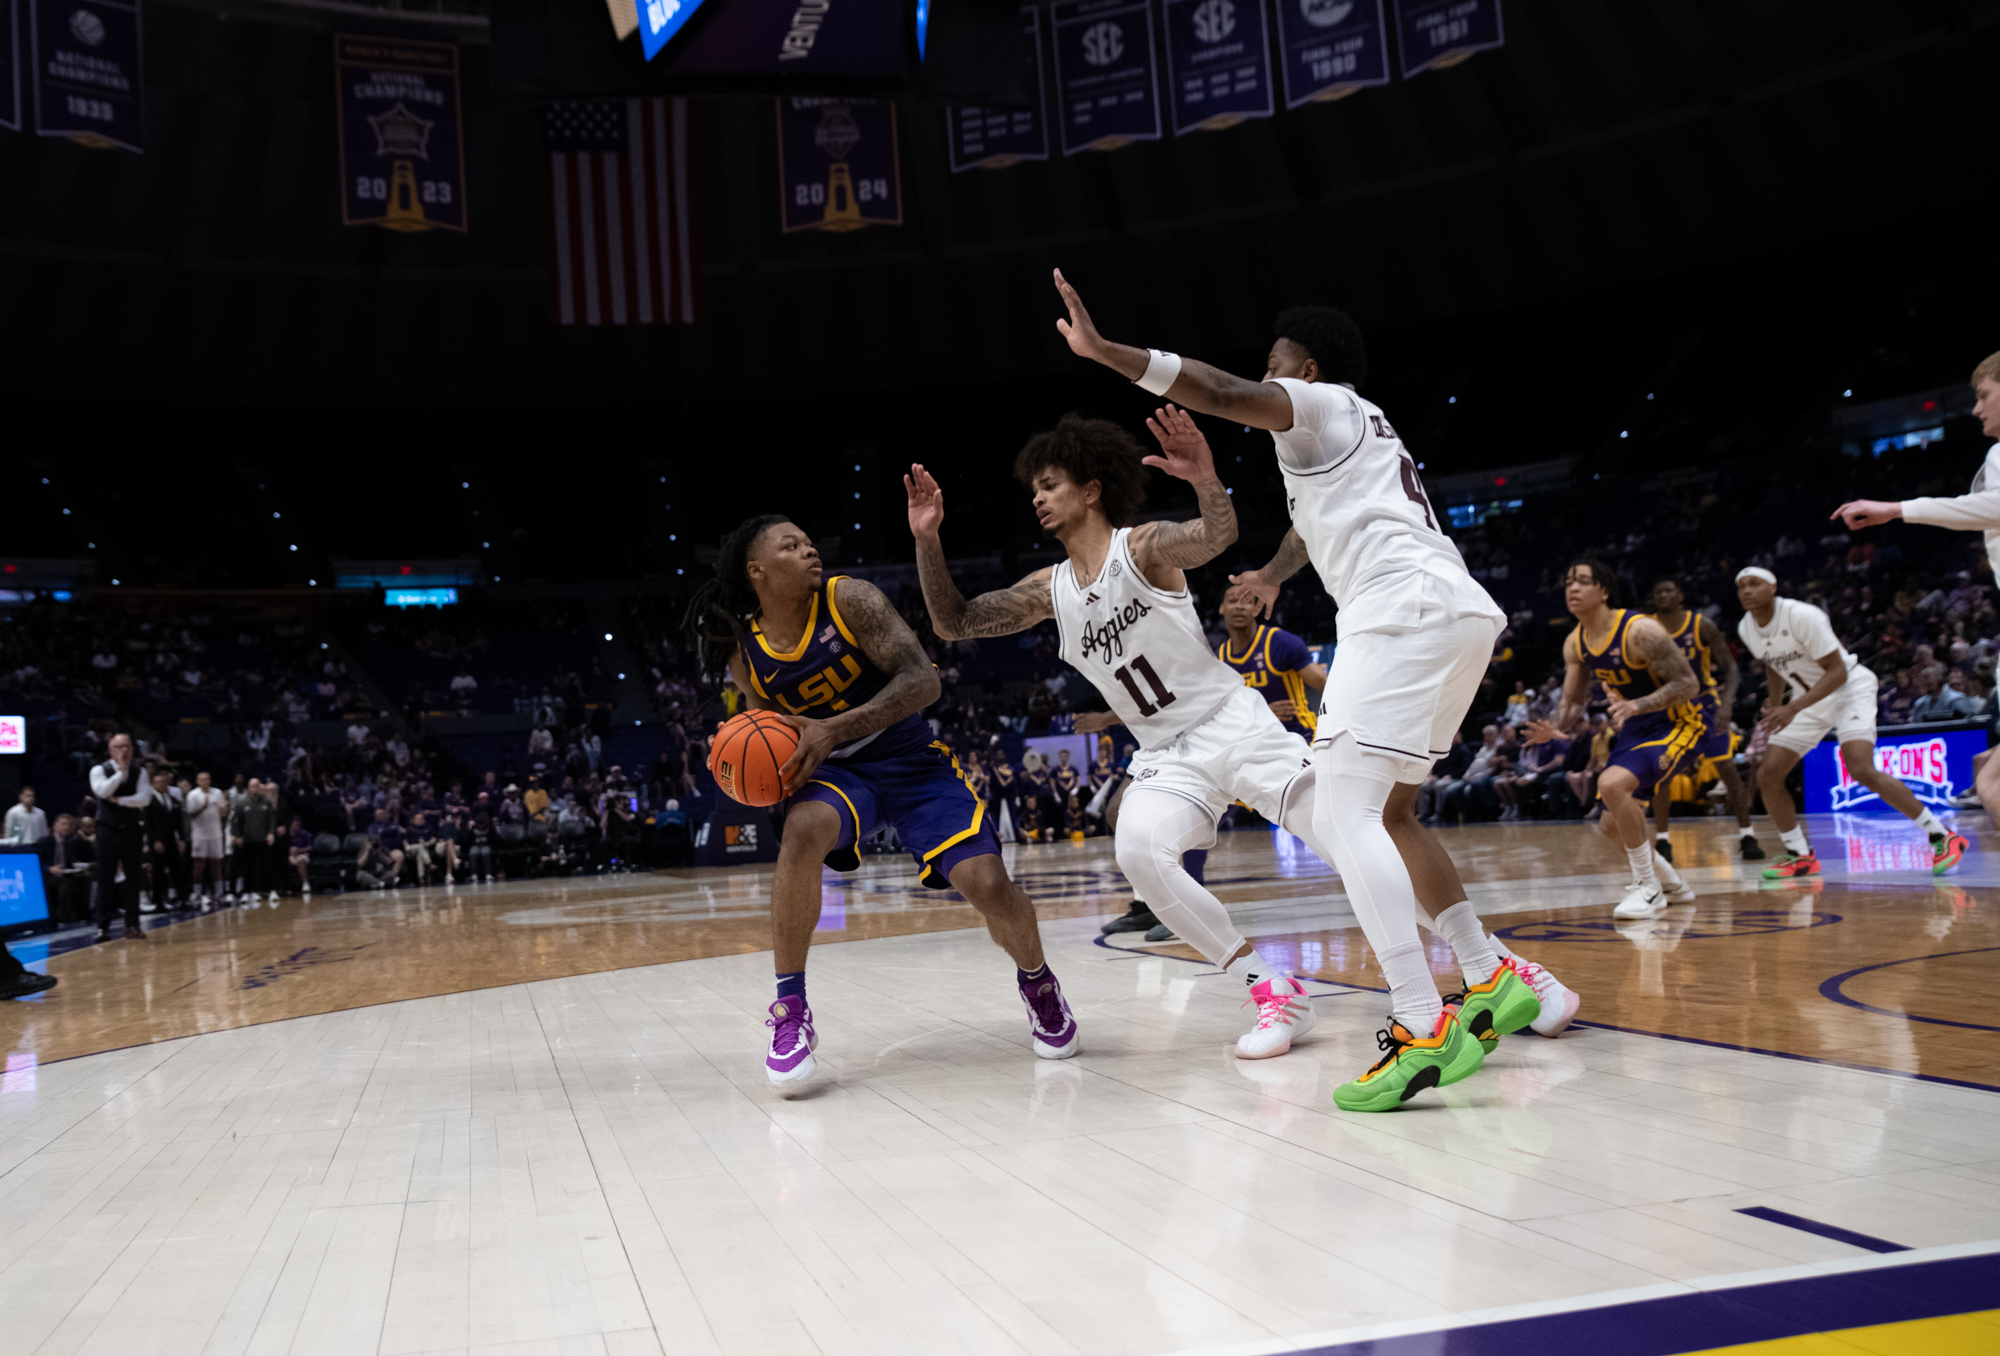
<point>823,687</point>
<point>1612,677</point>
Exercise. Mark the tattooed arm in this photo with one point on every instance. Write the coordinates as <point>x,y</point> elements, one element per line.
<point>1649,642</point>
<point>1291,558</point>
<point>1000,613</point>
<point>1163,550</point>
<point>883,636</point>
<point>1576,691</point>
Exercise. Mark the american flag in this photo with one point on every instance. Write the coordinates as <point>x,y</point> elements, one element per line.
<point>621,193</point>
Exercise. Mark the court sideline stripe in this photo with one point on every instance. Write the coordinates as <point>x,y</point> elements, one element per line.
<point>1813,1226</point>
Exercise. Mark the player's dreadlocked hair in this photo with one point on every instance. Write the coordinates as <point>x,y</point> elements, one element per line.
<point>1331,337</point>
<point>1600,575</point>
<point>725,605</point>
<point>1091,449</point>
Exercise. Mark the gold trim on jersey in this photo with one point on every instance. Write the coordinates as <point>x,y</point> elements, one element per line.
<point>1222,650</point>
<point>798,651</point>
<point>1705,671</point>
<point>834,612</point>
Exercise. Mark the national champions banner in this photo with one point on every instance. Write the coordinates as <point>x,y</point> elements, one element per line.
<point>1107,83</point>
<point>402,141</point>
<point>86,61</point>
<point>996,137</point>
<point>838,164</point>
<point>1218,63</point>
<point>10,65</point>
<point>1434,34</point>
<point>1331,48</point>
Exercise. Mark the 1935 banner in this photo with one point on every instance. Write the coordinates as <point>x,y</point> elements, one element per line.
<point>1218,63</point>
<point>1107,84</point>
<point>1331,48</point>
<point>838,167</point>
<point>10,64</point>
<point>993,138</point>
<point>402,144</point>
<point>87,81</point>
<point>1438,33</point>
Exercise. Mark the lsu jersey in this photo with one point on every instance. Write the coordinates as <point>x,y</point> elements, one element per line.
<point>826,673</point>
<point>1273,662</point>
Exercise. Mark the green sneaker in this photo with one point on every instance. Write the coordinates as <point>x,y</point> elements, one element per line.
<point>1499,1007</point>
<point>1411,1065</point>
<point>1792,865</point>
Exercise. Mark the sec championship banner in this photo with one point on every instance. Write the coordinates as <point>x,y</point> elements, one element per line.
<point>1936,768</point>
<point>402,147</point>
<point>838,166</point>
<point>994,138</point>
<point>1218,63</point>
<point>1331,48</point>
<point>86,60</point>
<point>10,64</point>
<point>1439,33</point>
<point>1107,91</point>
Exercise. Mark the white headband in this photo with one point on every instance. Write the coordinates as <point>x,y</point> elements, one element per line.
<point>1755,572</point>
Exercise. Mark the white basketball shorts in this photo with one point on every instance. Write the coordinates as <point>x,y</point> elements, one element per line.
<point>1242,752</point>
<point>1402,696</point>
<point>1849,712</point>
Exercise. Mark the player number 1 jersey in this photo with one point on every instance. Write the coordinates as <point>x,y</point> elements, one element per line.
<point>1142,648</point>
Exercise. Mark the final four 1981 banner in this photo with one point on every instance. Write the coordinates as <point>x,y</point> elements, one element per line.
<point>402,151</point>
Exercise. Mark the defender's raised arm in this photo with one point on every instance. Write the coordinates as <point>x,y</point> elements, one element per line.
<point>953,616</point>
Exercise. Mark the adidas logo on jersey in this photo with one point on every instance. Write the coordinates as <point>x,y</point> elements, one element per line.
<point>1091,599</point>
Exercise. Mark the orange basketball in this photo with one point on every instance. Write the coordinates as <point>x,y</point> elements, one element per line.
<point>747,753</point>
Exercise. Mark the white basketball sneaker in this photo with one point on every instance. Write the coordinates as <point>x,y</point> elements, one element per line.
<point>1559,1001</point>
<point>1682,893</point>
<point>1641,901</point>
<point>1284,1013</point>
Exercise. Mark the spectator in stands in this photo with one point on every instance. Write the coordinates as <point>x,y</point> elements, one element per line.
<point>374,867</point>
<point>1444,773</point>
<point>300,855</point>
<point>420,845</point>
<point>464,686</point>
<point>1517,712</point>
<point>1592,754</point>
<point>511,809</point>
<point>535,799</point>
<point>1896,698</point>
<point>1472,796</point>
<point>357,733</point>
<point>480,838</point>
<point>25,823</point>
<point>617,827</point>
<point>542,744</point>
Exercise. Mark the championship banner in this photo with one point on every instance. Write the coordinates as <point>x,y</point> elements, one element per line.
<point>1218,63</point>
<point>838,165</point>
<point>402,143</point>
<point>86,59</point>
<point>1439,33</point>
<point>10,65</point>
<point>1331,48</point>
<point>1107,90</point>
<point>994,138</point>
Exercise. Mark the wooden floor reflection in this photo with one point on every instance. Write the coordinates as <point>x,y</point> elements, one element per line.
<point>1875,965</point>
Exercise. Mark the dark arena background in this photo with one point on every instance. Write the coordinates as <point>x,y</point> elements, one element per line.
<point>382,381</point>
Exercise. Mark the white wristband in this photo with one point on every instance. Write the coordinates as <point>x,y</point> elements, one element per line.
<point>1161,369</point>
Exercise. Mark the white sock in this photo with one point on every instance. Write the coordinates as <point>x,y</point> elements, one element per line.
<point>1669,878</point>
<point>1795,842</point>
<point>1500,948</point>
<point>1251,969</point>
<point>1413,995</point>
<point>1932,825</point>
<point>1642,859</point>
<point>1660,838</point>
<point>1459,925</point>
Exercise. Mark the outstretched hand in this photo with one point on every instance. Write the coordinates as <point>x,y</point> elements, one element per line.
<point>1539,732</point>
<point>1079,330</point>
<point>1265,590</point>
<point>1868,512</point>
<point>926,502</point>
<point>1184,453</point>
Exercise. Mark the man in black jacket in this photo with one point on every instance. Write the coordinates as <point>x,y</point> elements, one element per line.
<point>166,843</point>
<point>122,793</point>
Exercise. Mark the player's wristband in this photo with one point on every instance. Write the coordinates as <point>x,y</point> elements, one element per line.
<point>1161,369</point>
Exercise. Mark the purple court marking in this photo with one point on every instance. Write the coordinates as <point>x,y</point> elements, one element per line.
<point>1832,1231</point>
<point>1718,1318</point>
<point>1787,1054</point>
<point>1830,990</point>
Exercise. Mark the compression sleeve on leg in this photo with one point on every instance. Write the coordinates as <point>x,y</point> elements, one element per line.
<point>1154,829</point>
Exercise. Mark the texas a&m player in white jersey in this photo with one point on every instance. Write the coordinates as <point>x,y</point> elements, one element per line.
<point>1127,622</point>
<point>1416,633</point>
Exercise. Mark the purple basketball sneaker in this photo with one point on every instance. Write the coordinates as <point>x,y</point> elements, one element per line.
<point>1049,1019</point>
<point>792,1042</point>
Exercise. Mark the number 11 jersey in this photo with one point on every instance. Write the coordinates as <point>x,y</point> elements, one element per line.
<point>1142,648</point>
<point>1357,503</point>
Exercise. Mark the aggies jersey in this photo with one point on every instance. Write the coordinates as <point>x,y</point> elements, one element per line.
<point>1357,504</point>
<point>1143,649</point>
<point>1271,663</point>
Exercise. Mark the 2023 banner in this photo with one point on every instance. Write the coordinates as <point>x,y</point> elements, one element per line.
<point>402,144</point>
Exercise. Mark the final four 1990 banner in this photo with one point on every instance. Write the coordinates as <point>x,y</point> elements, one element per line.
<point>402,151</point>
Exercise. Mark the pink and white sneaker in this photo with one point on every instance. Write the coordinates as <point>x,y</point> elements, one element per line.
<point>792,1042</point>
<point>1284,1013</point>
<point>1050,1021</point>
<point>1559,1002</point>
